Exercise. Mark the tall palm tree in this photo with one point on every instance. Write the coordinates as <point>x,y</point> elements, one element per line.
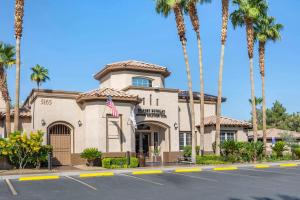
<point>7,59</point>
<point>225,15</point>
<point>191,8</point>
<point>247,14</point>
<point>165,7</point>
<point>19,13</point>
<point>265,29</point>
<point>39,75</point>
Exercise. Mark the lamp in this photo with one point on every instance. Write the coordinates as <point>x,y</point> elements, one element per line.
<point>79,123</point>
<point>43,122</point>
<point>175,125</point>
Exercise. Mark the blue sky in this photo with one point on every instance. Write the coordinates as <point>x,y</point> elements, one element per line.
<point>74,39</point>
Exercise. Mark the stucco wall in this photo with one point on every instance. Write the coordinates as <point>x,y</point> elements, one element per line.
<point>120,80</point>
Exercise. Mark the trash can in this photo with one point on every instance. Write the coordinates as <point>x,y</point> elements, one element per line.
<point>142,160</point>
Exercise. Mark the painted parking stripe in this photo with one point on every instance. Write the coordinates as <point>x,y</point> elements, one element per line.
<point>224,168</point>
<point>11,187</point>
<point>262,166</point>
<point>96,174</point>
<point>236,174</point>
<point>272,172</point>
<point>81,182</point>
<point>187,170</point>
<point>145,172</point>
<point>195,177</point>
<point>142,179</point>
<point>289,165</point>
<point>38,178</point>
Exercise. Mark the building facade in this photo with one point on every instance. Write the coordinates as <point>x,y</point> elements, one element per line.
<point>153,119</point>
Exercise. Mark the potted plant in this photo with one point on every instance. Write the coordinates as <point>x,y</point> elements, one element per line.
<point>156,154</point>
<point>91,155</point>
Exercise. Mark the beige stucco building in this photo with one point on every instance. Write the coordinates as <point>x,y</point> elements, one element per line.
<point>151,117</point>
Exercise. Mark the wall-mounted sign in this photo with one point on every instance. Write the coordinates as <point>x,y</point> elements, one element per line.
<point>47,102</point>
<point>151,113</point>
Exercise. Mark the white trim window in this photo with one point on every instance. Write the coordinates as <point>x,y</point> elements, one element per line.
<point>141,82</point>
<point>227,135</point>
<point>185,139</point>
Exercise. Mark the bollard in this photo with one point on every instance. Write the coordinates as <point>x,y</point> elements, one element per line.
<point>128,157</point>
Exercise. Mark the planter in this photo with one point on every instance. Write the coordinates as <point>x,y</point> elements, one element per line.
<point>4,164</point>
<point>94,163</point>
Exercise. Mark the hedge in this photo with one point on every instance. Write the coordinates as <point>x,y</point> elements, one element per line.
<point>113,163</point>
<point>209,160</point>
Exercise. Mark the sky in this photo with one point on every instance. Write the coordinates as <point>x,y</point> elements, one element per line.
<point>74,39</point>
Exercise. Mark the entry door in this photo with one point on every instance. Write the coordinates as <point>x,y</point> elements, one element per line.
<point>60,140</point>
<point>146,143</point>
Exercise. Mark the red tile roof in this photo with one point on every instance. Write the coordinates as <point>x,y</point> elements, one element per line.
<point>226,121</point>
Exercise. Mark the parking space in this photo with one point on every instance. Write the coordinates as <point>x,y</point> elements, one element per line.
<point>242,184</point>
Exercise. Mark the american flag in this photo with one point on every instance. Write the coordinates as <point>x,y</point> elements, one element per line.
<point>112,106</point>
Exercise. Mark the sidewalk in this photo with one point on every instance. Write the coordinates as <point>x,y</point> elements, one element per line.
<point>99,171</point>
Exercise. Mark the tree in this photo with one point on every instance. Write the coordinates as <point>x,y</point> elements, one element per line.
<point>277,116</point>
<point>7,59</point>
<point>265,29</point>
<point>247,14</point>
<point>225,15</point>
<point>191,8</point>
<point>19,13</point>
<point>39,75</point>
<point>165,7</point>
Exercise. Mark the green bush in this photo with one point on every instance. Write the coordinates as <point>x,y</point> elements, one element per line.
<point>114,163</point>
<point>91,154</point>
<point>209,160</point>
<point>197,150</point>
<point>187,151</point>
<point>252,151</point>
<point>279,148</point>
<point>296,152</point>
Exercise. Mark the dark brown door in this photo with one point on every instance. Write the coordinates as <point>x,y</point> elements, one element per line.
<point>60,140</point>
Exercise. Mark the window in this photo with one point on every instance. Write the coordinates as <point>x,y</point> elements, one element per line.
<point>141,82</point>
<point>185,139</point>
<point>157,102</point>
<point>227,135</point>
<point>156,140</point>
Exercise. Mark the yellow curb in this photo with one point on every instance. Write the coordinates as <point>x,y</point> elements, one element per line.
<point>96,174</point>
<point>289,165</point>
<point>188,170</point>
<point>147,172</point>
<point>225,168</point>
<point>38,178</point>
<point>262,166</point>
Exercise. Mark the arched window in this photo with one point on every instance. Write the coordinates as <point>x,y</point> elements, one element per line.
<point>141,82</point>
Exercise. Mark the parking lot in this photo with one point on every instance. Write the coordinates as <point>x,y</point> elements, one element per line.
<point>245,183</point>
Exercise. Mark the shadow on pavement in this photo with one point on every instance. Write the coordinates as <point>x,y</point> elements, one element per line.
<point>282,197</point>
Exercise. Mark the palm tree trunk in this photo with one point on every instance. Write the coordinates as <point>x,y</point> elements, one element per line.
<point>5,96</point>
<point>201,94</point>
<point>17,102</point>
<point>191,100</point>
<point>7,118</point>
<point>219,102</point>
<point>262,73</point>
<point>225,14</point>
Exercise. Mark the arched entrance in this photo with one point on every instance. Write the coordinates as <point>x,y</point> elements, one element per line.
<point>59,134</point>
<point>152,139</point>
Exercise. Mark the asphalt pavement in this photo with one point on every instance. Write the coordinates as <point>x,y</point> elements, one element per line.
<point>278,183</point>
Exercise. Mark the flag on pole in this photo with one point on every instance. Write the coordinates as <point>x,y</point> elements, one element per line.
<point>111,105</point>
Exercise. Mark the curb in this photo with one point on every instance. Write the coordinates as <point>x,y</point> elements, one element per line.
<point>289,165</point>
<point>262,166</point>
<point>186,170</point>
<point>87,175</point>
<point>38,178</point>
<point>225,168</point>
<point>146,172</point>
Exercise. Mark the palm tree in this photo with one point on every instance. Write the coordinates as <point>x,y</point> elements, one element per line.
<point>7,59</point>
<point>19,13</point>
<point>246,15</point>
<point>191,8</point>
<point>265,29</point>
<point>39,75</point>
<point>165,7</point>
<point>225,14</point>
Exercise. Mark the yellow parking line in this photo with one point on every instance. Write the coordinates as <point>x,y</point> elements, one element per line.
<point>262,166</point>
<point>225,168</point>
<point>38,178</point>
<point>144,172</point>
<point>96,174</point>
<point>289,165</point>
<point>188,170</point>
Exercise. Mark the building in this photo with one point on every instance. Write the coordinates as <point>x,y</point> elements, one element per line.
<point>151,116</point>
<point>274,135</point>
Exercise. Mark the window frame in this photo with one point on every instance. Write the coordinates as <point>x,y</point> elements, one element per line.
<point>226,134</point>
<point>141,81</point>
<point>185,139</point>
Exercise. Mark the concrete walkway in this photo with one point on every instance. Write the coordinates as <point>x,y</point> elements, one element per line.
<point>55,174</point>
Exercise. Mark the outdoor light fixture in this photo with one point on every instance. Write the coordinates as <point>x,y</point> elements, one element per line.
<point>79,123</point>
<point>175,125</point>
<point>43,122</point>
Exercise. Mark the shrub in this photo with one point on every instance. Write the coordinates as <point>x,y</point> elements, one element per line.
<point>41,157</point>
<point>187,151</point>
<point>252,151</point>
<point>296,152</point>
<point>91,154</point>
<point>209,159</point>
<point>230,150</point>
<point>197,150</point>
<point>3,148</point>
<point>113,163</point>
<point>279,148</point>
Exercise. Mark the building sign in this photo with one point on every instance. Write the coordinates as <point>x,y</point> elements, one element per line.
<point>158,113</point>
<point>47,102</point>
